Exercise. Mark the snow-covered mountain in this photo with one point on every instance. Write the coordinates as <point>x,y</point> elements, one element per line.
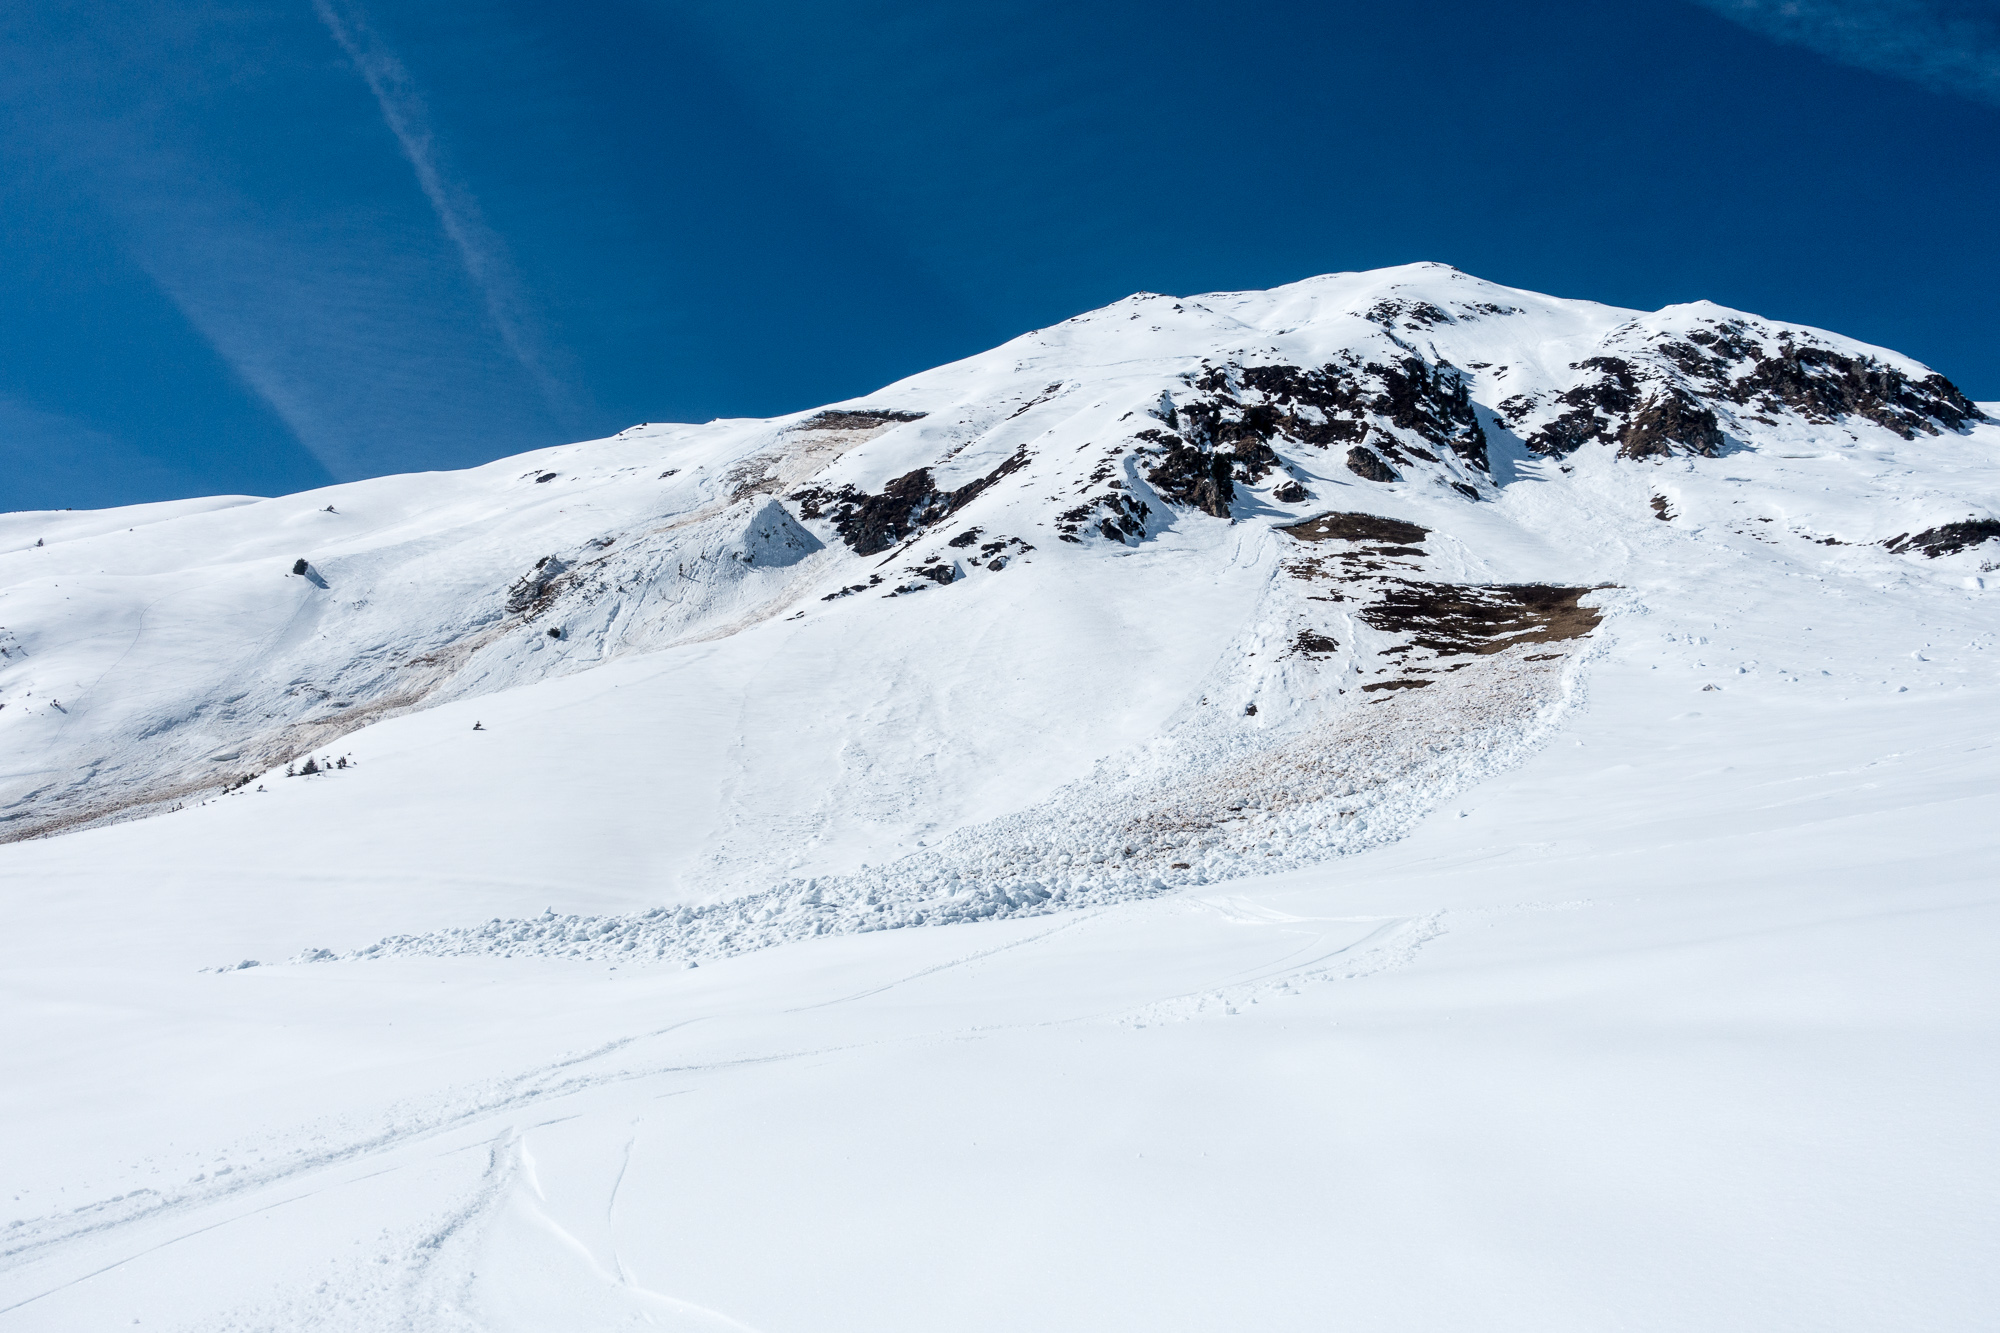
<point>1114,619</point>
<point>1177,590</point>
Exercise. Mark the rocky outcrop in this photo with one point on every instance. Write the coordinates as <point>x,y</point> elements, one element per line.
<point>1670,393</point>
<point>1432,401</point>
<point>1231,424</point>
<point>1736,362</point>
<point>1187,475</point>
<point>1385,404</point>
<point>1948,538</point>
<point>1368,465</point>
<point>1594,409</point>
<point>871,523</point>
<point>1667,424</point>
<point>907,505</point>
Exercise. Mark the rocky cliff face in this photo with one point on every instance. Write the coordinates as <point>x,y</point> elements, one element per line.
<point>1695,378</point>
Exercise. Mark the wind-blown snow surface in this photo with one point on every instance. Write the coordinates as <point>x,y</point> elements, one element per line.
<point>1619,973</point>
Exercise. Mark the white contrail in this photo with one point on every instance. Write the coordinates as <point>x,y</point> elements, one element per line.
<point>1944,46</point>
<point>480,248</point>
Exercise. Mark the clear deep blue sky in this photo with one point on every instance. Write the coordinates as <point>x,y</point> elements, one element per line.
<point>259,246</point>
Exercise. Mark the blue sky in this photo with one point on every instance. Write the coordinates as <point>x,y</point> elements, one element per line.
<point>257,247</point>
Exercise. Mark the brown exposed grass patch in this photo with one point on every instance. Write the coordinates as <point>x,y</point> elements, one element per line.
<point>1357,528</point>
<point>1452,619</point>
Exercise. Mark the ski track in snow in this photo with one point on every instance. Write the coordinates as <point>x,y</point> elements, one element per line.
<point>1392,944</point>
<point>428,1287</point>
<point>348,1153</point>
<point>403,1125</point>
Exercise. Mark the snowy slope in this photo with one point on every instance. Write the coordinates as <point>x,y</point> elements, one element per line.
<point>1443,807</point>
<point>799,694</point>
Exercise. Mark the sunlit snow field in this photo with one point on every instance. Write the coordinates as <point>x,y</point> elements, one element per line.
<point>1689,1022</point>
<point>1669,1005</point>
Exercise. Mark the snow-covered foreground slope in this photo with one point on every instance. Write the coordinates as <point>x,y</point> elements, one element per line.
<point>1687,1023</point>
<point>1432,807</point>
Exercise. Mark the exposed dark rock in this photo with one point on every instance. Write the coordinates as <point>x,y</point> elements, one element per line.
<point>852,588</point>
<point>966,538</point>
<point>871,523</point>
<point>944,573</point>
<point>1615,405</point>
<point>1124,516</point>
<point>1129,515</point>
<point>1069,521</point>
<point>546,476</point>
<point>858,419</point>
<point>1670,422</point>
<point>1418,314</point>
<point>907,504</point>
<point>299,566</point>
<point>1368,465</point>
<point>1188,476</point>
<point>1721,344</point>
<point>1291,493</point>
<point>1823,385</point>
<point>1312,644</point>
<point>814,500</point>
<point>1611,392</point>
<point>1949,539</point>
<point>1469,492</point>
<point>1433,401</point>
<point>1567,433</point>
<point>1320,407</point>
<point>1515,408</point>
<point>1330,405</point>
<point>1662,510</point>
<point>1250,459</point>
<point>1614,392</point>
<point>1818,383</point>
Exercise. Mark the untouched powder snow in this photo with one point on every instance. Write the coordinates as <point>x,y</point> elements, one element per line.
<point>1430,807</point>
